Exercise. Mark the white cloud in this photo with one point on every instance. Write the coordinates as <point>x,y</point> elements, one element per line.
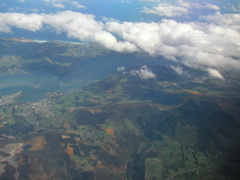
<point>125,1</point>
<point>85,28</point>
<point>120,69</point>
<point>184,4</point>
<point>110,42</point>
<point>144,73</point>
<point>106,19</point>
<point>61,3</point>
<point>179,8</point>
<point>152,0</point>
<point>166,10</point>
<point>195,44</point>
<point>178,69</point>
<point>22,1</point>
<point>77,5</point>
<point>56,3</point>
<point>212,6</point>
<point>31,22</point>
<point>76,25</point>
<point>203,5</point>
<point>34,10</point>
<point>235,8</point>
<point>215,74</point>
<point>230,20</point>
<point>199,45</point>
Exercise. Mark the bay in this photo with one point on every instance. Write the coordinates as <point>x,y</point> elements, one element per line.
<point>36,84</point>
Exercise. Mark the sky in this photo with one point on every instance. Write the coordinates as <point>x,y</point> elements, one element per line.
<point>200,34</point>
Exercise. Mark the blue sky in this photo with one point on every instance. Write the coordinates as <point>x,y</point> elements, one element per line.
<point>200,34</point>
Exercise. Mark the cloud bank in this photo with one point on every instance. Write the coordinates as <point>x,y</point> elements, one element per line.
<point>211,44</point>
<point>80,26</point>
<point>31,22</point>
<point>194,44</point>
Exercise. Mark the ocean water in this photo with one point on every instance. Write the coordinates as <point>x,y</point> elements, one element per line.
<point>36,84</point>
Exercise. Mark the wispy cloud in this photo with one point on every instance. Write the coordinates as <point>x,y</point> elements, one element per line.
<point>229,20</point>
<point>77,5</point>
<point>177,8</point>
<point>211,6</point>
<point>178,69</point>
<point>56,3</point>
<point>62,3</point>
<point>125,1</point>
<point>166,10</point>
